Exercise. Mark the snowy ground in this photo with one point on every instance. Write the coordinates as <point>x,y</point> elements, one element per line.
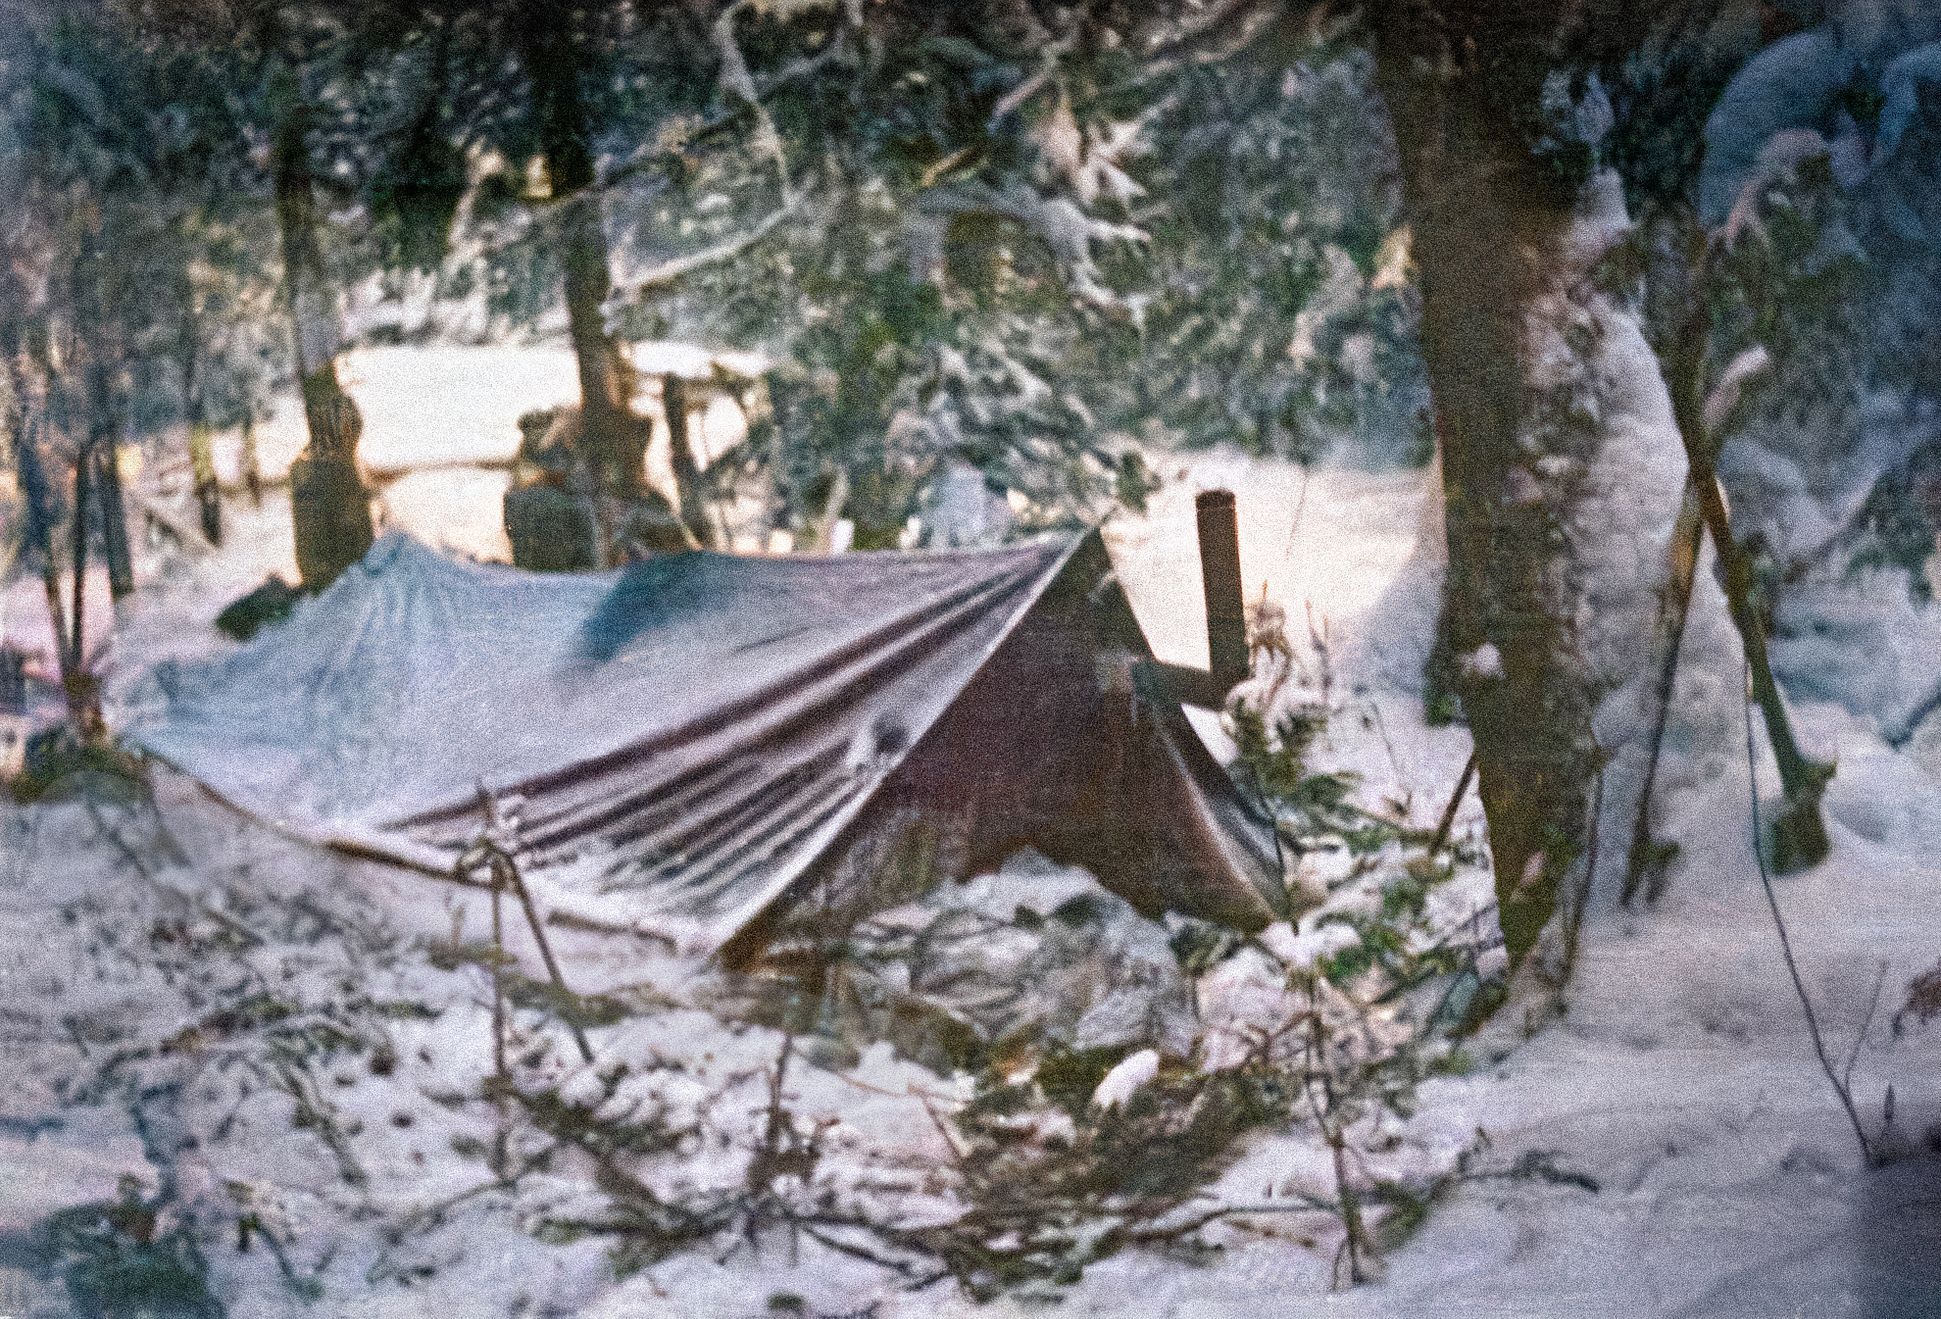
<point>1680,1084</point>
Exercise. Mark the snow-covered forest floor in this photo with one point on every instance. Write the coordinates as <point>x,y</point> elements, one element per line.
<point>291,1052</point>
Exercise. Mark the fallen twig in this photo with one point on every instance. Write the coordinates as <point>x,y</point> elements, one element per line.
<point>1866,1022</point>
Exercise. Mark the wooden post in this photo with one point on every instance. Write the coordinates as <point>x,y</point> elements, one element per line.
<point>1229,658</point>
<point>1226,611</point>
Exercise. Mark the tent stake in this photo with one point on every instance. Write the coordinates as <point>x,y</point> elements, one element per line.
<point>507,872</point>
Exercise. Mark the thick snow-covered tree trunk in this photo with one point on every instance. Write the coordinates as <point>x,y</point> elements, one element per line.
<point>1562,471</point>
<point>329,507</point>
<point>614,436</point>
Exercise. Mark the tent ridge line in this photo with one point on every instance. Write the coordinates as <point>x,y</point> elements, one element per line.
<point>702,725</point>
<point>913,644</point>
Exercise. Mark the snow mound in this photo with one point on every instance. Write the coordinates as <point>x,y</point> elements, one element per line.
<point>1035,953</point>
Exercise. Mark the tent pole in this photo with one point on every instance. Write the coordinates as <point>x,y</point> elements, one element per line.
<point>1229,659</point>
<point>1218,522</point>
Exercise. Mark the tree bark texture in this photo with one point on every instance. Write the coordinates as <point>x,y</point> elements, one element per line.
<point>1556,436</point>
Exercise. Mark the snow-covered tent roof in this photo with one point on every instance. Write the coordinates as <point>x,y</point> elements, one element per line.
<point>697,731</point>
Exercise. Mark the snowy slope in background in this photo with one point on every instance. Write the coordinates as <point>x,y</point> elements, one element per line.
<point>452,405</point>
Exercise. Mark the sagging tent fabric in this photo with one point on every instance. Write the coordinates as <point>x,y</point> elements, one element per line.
<point>728,743</point>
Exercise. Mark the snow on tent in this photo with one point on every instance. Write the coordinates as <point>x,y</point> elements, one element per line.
<point>723,746</point>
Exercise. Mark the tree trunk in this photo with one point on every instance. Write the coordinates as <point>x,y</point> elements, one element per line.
<point>208,490</point>
<point>41,519</point>
<point>329,507</point>
<point>687,470</point>
<point>114,521</point>
<point>824,540</point>
<point>104,452</point>
<point>202,456</point>
<point>83,701</point>
<point>615,439</point>
<point>1548,513</point>
<point>252,462</point>
<point>96,359</point>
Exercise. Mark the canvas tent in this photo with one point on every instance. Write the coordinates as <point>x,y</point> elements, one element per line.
<point>731,746</point>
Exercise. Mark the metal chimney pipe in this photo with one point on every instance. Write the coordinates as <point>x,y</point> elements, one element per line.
<point>1226,611</point>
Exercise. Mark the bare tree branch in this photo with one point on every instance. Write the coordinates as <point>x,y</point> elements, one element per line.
<point>674,269</point>
<point>671,148</point>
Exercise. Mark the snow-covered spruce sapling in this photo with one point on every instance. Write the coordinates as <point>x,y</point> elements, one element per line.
<point>61,764</point>
<point>1374,989</point>
<point>1923,1000</point>
<point>1037,1187</point>
<point>1304,803</point>
<point>1378,996</point>
<point>1049,1171</point>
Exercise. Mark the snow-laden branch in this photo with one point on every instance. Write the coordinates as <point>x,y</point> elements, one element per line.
<point>1215,31</point>
<point>739,84</point>
<point>1032,85</point>
<point>1068,233</point>
<point>1731,388</point>
<point>675,269</point>
<point>671,147</point>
